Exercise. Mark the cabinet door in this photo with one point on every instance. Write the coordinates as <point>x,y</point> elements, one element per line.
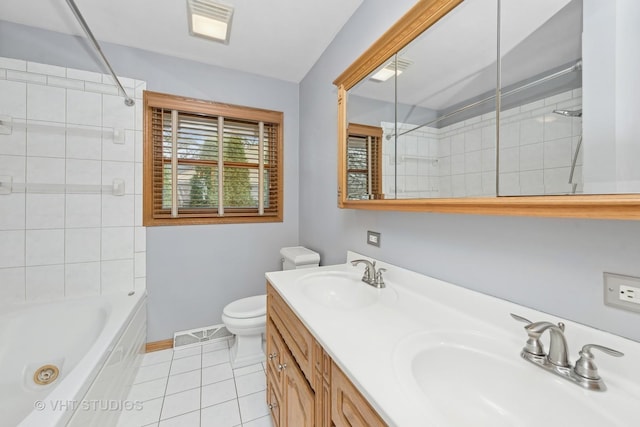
<point>274,401</point>
<point>299,397</point>
<point>348,407</point>
<point>275,355</point>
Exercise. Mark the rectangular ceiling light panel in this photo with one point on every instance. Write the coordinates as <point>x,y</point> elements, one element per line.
<point>209,20</point>
<point>389,70</point>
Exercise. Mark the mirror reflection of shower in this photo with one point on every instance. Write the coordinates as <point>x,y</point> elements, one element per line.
<point>572,113</point>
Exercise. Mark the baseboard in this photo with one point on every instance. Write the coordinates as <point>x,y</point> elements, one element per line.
<point>159,345</point>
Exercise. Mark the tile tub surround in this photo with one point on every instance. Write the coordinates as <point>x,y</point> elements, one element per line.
<point>536,150</point>
<point>78,132</point>
<point>197,387</point>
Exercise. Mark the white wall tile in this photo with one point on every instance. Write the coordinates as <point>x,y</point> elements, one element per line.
<point>139,145</point>
<point>45,103</point>
<point>13,101</point>
<point>140,264</point>
<point>488,160</point>
<point>119,170</point>
<point>510,135</point>
<point>14,166</point>
<point>84,75</point>
<point>12,245</point>
<point>45,282</point>
<point>556,180</point>
<point>65,83</point>
<point>115,114</point>
<point>46,142</point>
<point>457,164</point>
<point>138,177</point>
<point>14,144</point>
<point>44,247</point>
<point>531,157</point>
<point>84,108</point>
<point>84,143</point>
<point>509,183</point>
<point>82,279</point>
<point>82,245</point>
<point>532,182</point>
<point>556,127</point>
<point>44,211</point>
<point>140,242</point>
<point>45,170</point>
<point>457,144</point>
<point>26,77</point>
<point>473,162</point>
<point>473,140</point>
<point>13,64</point>
<point>83,210</point>
<point>458,186</point>
<point>120,152</point>
<point>509,159</point>
<point>117,243</point>
<point>557,153</point>
<point>473,184</point>
<point>117,276</point>
<point>83,172</point>
<point>12,285</point>
<point>137,221</point>
<point>51,70</point>
<point>488,137</point>
<point>12,211</point>
<point>531,131</point>
<point>140,283</point>
<point>117,211</point>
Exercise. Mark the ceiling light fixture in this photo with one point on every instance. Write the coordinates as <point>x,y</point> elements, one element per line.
<point>389,70</point>
<point>209,20</point>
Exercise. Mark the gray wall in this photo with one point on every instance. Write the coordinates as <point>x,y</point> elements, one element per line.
<point>553,265</point>
<point>192,271</point>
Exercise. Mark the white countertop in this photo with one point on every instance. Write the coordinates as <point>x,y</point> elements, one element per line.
<point>364,343</point>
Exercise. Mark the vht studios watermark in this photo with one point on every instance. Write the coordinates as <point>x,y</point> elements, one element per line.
<point>88,405</point>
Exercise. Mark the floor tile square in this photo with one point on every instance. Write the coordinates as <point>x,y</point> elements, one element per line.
<point>180,353</point>
<point>248,370</point>
<point>180,403</point>
<point>253,406</point>
<point>216,373</point>
<point>260,422</point>
<point>225,414</point>
<point>157,357</point>
<point>215,357</point>
<point>182,382</point>
<point>191,419</point>
<point>152,372</point>
<point>251,383</point>
<point>219,392</point>
<point>186,364</point>
<point>148,390</point>
<point>218,345</point>
<point>150,413</point>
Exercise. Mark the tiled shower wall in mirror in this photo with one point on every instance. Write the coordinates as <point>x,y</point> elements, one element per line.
<point>66,138</point>
<point>536,152</point>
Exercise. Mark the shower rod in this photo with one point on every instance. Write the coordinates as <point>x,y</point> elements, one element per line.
<point>128,101</point>
<point>575,67</point>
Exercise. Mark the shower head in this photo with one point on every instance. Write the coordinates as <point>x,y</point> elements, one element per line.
<point>569,113</point>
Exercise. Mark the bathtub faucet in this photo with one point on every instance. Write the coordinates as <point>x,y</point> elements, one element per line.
<point>371,276</point>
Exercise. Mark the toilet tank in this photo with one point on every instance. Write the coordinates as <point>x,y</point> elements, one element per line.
<point>299,257</point>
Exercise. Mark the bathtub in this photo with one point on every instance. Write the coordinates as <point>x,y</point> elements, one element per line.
<point>95,343</point>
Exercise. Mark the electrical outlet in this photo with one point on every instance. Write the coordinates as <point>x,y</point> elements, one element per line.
<point>622,291</point>
<point>373,238</point>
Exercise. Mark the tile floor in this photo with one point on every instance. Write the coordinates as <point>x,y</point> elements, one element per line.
<point>196,387</point>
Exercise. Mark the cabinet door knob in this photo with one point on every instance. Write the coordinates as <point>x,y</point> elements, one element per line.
<point>272,405</point>
<point>281,367</point>
<point>273,356</point>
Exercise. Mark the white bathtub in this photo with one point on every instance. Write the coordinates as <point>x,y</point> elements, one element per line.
<point>96,343</point>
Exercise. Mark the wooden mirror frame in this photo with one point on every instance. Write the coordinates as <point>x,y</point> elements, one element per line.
<point>420,17</point>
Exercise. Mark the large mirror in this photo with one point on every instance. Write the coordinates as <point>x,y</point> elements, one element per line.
<point>476,106</point>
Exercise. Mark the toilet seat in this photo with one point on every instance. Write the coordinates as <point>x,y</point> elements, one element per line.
<point>247,308</point>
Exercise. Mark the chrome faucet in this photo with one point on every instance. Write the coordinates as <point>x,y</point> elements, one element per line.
<point>371,276</point>
<point>585,371</point>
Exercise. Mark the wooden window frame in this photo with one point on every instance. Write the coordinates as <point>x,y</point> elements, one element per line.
<point>375,133</point>
<point>153,100</point>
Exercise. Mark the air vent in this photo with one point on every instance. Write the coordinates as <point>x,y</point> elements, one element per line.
<point>200,336</point>
<point>386,72</point>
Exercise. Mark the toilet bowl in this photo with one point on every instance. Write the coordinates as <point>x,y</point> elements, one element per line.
<point>246,318</point>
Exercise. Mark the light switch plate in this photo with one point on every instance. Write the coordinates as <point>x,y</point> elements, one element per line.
<point>622,292</point>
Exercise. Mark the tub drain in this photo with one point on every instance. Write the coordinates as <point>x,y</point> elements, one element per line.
<point>46,374</point>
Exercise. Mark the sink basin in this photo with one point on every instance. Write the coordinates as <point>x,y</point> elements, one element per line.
<point>340,290</point>
<point>472,379</point>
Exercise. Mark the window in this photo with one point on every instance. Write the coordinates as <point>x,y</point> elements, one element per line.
<point>207,163</point>
<point>364,162</point>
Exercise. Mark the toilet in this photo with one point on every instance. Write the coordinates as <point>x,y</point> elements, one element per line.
<point>246,318</point>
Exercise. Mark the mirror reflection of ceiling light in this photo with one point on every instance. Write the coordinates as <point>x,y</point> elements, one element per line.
<point>389,70</point>
<point>209,20</point>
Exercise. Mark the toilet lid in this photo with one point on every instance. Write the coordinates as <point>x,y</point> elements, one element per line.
<point>247,307</point>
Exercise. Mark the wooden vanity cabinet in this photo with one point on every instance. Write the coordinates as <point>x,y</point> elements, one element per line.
<point>305,388</point>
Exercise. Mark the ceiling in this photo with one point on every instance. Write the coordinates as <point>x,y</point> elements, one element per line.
<point>274,38</point>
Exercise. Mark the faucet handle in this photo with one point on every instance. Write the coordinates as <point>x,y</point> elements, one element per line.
<point>533,345</point>
<point>379,281</point>
<point>586,367</point>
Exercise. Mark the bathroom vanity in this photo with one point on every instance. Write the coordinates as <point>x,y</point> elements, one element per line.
<point>421,351</point>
